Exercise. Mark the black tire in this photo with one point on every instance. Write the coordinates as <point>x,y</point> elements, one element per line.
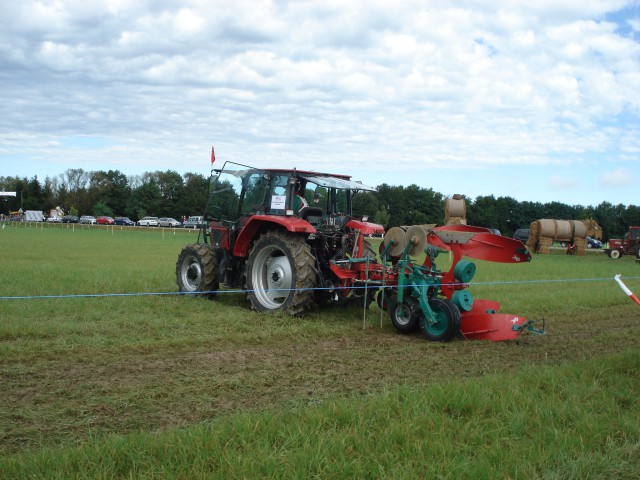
<point>447,323</point>
<point>197,269</point>
<point>638,254</point>
<point>405,316</point>
<point>281,273</point>
<point>614,253</point>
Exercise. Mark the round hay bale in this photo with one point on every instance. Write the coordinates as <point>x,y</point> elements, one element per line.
<point>455,211</point>
<point>580,246</point>
<point>579,229</point>
<point>546,227</point>
<point>564,230</point>
<point>534,234</point>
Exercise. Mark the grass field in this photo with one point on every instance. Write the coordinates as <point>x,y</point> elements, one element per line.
<point>172,386</point>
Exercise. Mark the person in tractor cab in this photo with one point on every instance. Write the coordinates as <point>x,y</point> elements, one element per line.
<point>299,202</point>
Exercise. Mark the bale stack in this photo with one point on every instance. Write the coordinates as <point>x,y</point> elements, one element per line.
<point>544,244</point>
<point>580,246</point>
<point>455,211</point>
<point>573,232</point>
<point>534,235</point>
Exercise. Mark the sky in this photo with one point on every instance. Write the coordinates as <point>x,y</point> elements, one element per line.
<point>534,100</point>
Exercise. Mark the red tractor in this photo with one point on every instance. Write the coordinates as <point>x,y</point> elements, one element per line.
<point>628,245</point>
<point>289,240</point>
<point>274,233</point>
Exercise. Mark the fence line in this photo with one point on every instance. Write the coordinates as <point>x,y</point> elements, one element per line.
<point>219,292</point>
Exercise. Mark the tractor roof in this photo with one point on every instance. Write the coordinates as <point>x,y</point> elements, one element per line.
<point>303,172</point>
<point>336,182</point>
<point>329,180</point>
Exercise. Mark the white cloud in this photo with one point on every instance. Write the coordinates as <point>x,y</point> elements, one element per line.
<point>558,182</point>
<point>331,84</point>
<point>620,177</point>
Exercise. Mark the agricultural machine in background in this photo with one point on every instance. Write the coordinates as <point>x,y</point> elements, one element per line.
<point>289,239</point>
<point>628,245</point>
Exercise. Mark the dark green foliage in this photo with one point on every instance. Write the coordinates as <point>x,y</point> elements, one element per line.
<point>147,198</point>
<point>172,195</point>
<point>365,204</point>
<point>100,209</point>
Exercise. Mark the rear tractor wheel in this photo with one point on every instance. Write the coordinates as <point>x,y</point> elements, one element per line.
<point>281,273</point>
<point>197,269</point>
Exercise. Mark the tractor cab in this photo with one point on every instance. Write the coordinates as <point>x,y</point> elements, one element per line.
<point>297,201</point>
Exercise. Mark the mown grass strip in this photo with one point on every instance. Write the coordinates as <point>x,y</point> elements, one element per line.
<point>575,421</point>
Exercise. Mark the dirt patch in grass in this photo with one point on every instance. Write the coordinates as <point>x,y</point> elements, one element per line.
<point>69,397</point>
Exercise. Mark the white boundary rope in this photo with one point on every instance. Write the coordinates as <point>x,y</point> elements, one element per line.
<point>219,292</point>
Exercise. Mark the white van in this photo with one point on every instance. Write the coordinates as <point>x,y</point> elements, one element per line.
<point>194,222</point>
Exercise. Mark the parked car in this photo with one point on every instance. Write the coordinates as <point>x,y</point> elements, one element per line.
<point>168,222</point>
<point>104,220</point>
<point>522,234</point>
<point>593,243</point>
<point>88,219</point>
<point>194,222</point>
<point>148,222</point>
<point>123,221</point>
<point>70,219</point>
<point>54,219</point>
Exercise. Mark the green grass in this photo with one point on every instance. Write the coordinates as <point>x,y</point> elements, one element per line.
<point>577,421</point>
<point>176,386</point>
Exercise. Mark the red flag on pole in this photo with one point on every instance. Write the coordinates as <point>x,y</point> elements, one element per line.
<point>213,155</point>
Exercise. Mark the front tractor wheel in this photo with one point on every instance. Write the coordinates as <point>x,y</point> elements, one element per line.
<point>614,253</point>
<point>447,323</point>
<point>197,269</point>
<point>281,273</point>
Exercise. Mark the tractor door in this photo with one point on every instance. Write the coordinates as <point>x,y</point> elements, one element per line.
<point>253,200</point>
<point>236,195</point>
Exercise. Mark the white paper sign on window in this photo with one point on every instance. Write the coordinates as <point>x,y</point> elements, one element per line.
<point>278,202</point>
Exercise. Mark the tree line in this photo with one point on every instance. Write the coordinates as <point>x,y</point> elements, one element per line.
<point>112,193</point>
<point>169,194</point>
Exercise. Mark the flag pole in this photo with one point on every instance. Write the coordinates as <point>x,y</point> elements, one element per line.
<point>626,290</point>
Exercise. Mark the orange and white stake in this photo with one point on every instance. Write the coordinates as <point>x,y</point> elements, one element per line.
<point>626,290</point>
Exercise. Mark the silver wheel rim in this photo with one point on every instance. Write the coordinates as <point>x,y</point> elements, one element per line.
<point>403,315</point>
<point>191,274</point>
<point>271,277</point>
